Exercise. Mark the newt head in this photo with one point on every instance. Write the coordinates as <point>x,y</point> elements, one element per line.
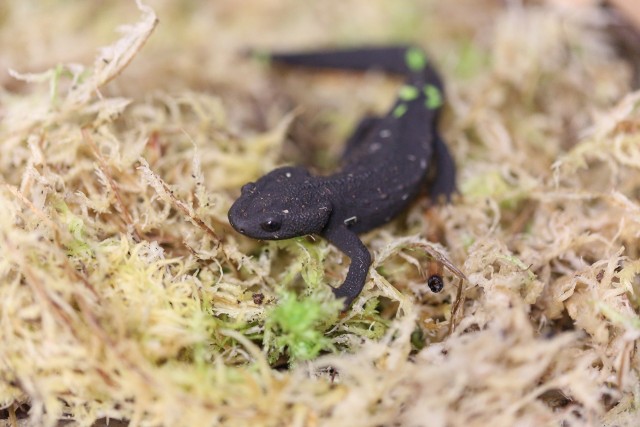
<point>283,204</point>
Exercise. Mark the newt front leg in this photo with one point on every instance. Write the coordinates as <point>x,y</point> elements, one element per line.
<point>349,243</point>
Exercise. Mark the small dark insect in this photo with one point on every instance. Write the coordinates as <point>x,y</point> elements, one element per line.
<point>258,298</point>
<point>333,373</point>
<point>435,283</point>
<point>387,163</point>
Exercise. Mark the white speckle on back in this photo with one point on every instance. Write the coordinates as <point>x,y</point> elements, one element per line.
<point>423,163</point>
<point>411,158</point>
<point>288,174</point>
<point>385,133</point>
<point>374,147</point>
<point>286,211</point>
<point>351,220</point>
<point>405,196</point>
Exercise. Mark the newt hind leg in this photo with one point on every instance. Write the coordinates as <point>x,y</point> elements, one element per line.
<point>444,182</point>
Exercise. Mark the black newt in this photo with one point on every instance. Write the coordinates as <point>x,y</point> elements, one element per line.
<point>387,161</point>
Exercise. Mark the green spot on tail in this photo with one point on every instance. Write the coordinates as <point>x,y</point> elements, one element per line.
<point>434,97</point>
<point>261,56</point>
<point>399,111</point>
<point>408,93</point>
<point>415,59</point>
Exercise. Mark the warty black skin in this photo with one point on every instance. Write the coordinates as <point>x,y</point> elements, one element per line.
<point>386,163</point>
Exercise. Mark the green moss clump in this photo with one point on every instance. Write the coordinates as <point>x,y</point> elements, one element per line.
<point>297,326</point>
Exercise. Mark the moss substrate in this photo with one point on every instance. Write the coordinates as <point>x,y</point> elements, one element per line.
<point>124,293</point>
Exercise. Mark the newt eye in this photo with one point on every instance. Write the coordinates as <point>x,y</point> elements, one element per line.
<point>247,188</point>
<point>270,225</point>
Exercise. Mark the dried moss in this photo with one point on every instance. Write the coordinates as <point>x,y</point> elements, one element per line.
<point>125,294</point>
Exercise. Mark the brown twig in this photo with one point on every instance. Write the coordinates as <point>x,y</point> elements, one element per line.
<point>180,205</point>
<point>455,309</point>
<point>106,170</point>
<point>435,232</point>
